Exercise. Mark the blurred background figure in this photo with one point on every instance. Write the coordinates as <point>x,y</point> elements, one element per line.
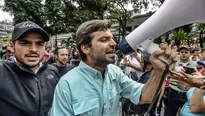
<point>172,44</point>
<point>61,57</point>
<point>47,54</point>
<point>131,65</point>
<point>194,44</point>
<point>183,43</point>
<point>196,54</point>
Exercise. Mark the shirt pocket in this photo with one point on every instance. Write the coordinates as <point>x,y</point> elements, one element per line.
<point>114,98</point>
<point>87,107</point>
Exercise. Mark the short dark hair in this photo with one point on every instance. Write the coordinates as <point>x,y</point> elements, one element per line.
<point>202,50</point>
<point>84,31</point>
<point>196,49</point>
<point>58,48</point>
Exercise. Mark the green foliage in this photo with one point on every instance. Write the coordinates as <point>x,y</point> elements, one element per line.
<point>118,11</point>
<point>180,35</point>
<point>25,10</point>
<point>64,16</point>
<point>5,40</point>
<point>157,3</point>
<point>201,27</point>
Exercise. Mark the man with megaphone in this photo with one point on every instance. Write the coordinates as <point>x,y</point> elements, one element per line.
<point>95,86</point>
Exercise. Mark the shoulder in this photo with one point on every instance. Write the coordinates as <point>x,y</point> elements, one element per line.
<point>115,71</point>
<point>1,63</point>
<point>70,66</point>
<point>75,78</point>
<point>6,63</point>
<point>113,68</point>
<point>73,74</point>
<point>193,63</point>
<point>52,69</point>
<point>5,69</point>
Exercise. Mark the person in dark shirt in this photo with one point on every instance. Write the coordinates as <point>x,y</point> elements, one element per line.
<point>61,56</point>
<point>26,84</point>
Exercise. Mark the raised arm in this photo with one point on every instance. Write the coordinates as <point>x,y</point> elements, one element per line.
<point>151,86</point>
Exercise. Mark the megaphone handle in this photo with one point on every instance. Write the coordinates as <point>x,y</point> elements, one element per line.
<point>165,60</point>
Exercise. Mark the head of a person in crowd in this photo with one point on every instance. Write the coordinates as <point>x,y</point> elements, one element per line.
<point>61,56</point>
<point>28,44</point>
<point>184,42</point>
<point>196,52</point>
<point>172,42</point>
<point>184,53</point>
<point>203,54</point>
<point>194,40</point>
<point>95,43</point>
<point>47,49</point>
<point>163,40</point>
<point>145,62</point>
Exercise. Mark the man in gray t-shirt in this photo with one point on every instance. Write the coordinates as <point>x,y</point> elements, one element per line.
<point>177,93</point>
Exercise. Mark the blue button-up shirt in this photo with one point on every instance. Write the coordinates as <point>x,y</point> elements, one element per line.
<point>83,91</point>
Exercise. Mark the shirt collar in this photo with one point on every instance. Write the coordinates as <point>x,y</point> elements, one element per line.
<point>28,70</point>
<point>183,64</point>
<point>40,65</point>
<point>89,70</point>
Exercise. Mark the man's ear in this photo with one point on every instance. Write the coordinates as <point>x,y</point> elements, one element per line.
<point>85,49</point>
<point>11,45</point>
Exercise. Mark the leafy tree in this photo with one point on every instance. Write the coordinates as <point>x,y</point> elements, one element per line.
<point>5,40</point>
<point>64,16</point>
<point>118,11</point>
<point>201,28</point>
<point>157,3</point>
<point>23,10</point>
<point>180,35</point>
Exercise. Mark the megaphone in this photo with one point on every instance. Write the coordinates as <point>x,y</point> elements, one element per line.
<point>172,14</point>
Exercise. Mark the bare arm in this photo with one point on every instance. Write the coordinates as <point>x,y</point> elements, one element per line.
<point>138,68</point>
<point>150,87</point>
<point>152,84</point>
<point>197,103</point>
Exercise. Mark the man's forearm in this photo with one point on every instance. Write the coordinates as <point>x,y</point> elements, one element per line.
<point>151,86</point>
<point>197,104</point>
<point>136,67</point>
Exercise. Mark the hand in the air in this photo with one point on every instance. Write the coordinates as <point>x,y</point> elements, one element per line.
<point>195,79</point>
<point>169,55</point>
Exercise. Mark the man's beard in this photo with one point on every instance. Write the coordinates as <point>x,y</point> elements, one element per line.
<point>28,66</point>
<point>62,63</point>
<point>100,61</point>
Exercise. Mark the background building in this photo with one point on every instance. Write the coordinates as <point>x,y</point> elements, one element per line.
<point>6,28</point>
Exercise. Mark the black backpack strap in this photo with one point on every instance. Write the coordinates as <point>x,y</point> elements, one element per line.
<point>166,70</point>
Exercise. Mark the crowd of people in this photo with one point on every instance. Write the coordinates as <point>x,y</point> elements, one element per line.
<point>175,97</point>
<point>85,79</point>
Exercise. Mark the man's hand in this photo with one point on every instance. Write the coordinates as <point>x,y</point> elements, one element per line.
<point>126,62</point>
<point>167,53</point>
<point>195,79</point>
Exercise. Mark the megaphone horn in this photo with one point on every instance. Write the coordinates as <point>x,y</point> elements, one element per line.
<point>172,14</point>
